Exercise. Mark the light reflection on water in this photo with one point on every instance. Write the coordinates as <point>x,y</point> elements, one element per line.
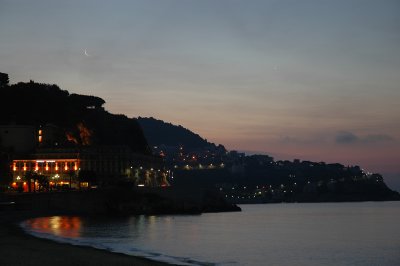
<point>62,226</point>
<point>274,234</point>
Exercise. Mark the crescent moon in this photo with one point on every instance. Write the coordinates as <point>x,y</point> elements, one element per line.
<point>86,53</point>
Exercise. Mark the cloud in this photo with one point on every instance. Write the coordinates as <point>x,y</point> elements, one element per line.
<point>342,137</point>
<point>345,137</point>
<point>377,138</point>
<point>309,140</point>
<point>289,139</point>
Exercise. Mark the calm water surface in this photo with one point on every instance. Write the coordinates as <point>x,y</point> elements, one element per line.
<point>364,233</point>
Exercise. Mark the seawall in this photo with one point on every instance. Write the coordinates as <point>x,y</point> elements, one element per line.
<point>123,201</point>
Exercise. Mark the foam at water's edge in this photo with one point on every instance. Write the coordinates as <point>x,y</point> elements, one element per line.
<point>106,244</point>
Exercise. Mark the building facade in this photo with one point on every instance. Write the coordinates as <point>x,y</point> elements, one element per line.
<point>75,167</point>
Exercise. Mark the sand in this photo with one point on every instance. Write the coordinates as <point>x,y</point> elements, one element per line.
<point>18,248</point>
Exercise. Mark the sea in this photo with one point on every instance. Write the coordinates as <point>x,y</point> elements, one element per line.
<point>360,233</point>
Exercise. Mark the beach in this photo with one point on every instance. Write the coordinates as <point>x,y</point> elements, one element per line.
<point>19,248</point>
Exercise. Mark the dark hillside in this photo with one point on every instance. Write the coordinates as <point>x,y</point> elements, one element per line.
<point>81,118</point>
<point>159,132</point>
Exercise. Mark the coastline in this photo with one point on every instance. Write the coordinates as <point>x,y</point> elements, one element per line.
<point>20,248</point>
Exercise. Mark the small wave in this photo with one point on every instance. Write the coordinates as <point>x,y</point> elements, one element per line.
<point>113,245</point>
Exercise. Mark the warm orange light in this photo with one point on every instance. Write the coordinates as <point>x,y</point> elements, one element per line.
<point>15,167</point>
<point>47,167</point>
<point>24,167</point>
<point>66,167</point>
<point>37,167</point>
<point>75,166</point>
<point>40,136</point>
<point>56,167</point>
<point>63,226</point>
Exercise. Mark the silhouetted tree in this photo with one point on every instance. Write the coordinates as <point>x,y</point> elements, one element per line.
<point>28,177</point>
<point>81,117</point>
<point>4,80</point>
<point>5,173</point>
<point>43,182</point>
<point>71,175</point>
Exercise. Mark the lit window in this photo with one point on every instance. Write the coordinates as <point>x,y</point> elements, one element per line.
<point>40,136</point>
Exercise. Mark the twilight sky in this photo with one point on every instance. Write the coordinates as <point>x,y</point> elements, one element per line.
<point>315,80</point>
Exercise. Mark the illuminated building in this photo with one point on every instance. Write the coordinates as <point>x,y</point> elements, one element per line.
<point>61,165</point>
<point>46,167</point>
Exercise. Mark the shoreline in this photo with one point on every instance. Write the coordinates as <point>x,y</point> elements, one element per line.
<point>19,248</point>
